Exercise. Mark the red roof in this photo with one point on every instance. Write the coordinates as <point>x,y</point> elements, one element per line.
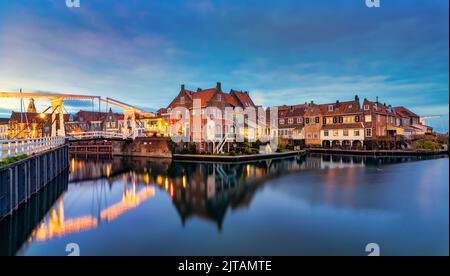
<point>339,108</point>
<point>231,100</point>
<point>243,98</point>
<point>379,107</point>
<point>402,111</point>
<point>204,95</point>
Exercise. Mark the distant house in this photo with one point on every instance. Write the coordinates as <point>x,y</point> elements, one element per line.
<point>380,120</point>
<point>24,125</point>
<point>291,125</point>
<point>86,121</point>
<point>410,122</point>
<point>4,128</point>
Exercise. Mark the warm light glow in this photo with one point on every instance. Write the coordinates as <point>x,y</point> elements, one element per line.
<point>42,115</point>
<point>184,181</point>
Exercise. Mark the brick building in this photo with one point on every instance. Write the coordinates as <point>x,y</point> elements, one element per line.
<point>342,124</point>
<point>212,125</point>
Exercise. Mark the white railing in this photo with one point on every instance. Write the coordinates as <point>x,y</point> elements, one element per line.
<point>94,134</point>
<point>9,148</point>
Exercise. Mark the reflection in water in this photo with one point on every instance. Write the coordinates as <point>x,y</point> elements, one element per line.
<point>103,192</point>
<point>58,226</point>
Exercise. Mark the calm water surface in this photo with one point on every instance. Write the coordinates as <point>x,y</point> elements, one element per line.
<point>310,205</point>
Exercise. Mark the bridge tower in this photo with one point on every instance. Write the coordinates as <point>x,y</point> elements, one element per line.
<point>58,106</point>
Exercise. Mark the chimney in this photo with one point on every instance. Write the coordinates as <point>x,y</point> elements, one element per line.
<point>338,103</point>
<point>182,87</point>
<point>219,86</point>
<point>384,104</point>
<point>246,92</point>
<point>199,89</point>
<point>377,99</point>
<point>357,98</point>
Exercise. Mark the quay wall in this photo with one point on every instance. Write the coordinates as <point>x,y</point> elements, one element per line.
<point>22,179</point>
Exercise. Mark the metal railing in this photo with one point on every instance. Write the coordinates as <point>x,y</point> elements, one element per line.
<point>10,148</point>
<point>94,134</point>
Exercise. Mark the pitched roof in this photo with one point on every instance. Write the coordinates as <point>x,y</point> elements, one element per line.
<point>292,111</point>
<point>231,100</point>
<point>30,116</point>
<point>204,95</point>
<point>380,108</point>
<point>339,108</point>
<point>243,98</point>
<point>402,111</point>
<point>89,116</point>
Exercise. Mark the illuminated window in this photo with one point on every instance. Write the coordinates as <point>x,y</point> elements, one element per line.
<point>329,120</point>
<point>335,132</point>
<point>345,132</point>
<point>368,118</point>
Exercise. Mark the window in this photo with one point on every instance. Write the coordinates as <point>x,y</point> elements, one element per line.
<point>309,136</point>
<point>368,118</point>
<point>307,120</point>
<point>317,120</point>
<point>299,120</point>
<point>349,120</point>
<point>335,133</point>
<point>366,107</point>
<point>281,121</point>
<point>341,120</point>
<point>335,120</point>
<point>219,97</point>
<point>326,133</point>
<point>182,100</point>
<point>350,106</point>
<point>378,118</point>
<point>345,132</point>
<point>290,121</point>
<point>316,136</point>
<point>330,108</point>
<point>328,120</point>
<point>357,119</point>
<point>356,132</point>
<point>368,132</point>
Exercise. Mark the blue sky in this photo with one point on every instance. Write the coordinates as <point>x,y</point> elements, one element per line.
<point>283,52</point>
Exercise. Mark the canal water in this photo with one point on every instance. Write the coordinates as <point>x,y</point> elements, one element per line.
<point>304,205</point>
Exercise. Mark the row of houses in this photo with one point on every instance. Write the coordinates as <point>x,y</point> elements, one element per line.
<point>350,124</point>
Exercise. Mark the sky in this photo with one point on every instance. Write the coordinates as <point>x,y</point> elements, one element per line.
<point>282,52</point>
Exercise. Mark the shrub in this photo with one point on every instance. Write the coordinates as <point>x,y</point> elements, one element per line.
<point>426,145</point>
<point>10,160</point>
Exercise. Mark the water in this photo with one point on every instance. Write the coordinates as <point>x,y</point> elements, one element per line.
<point>310,205</point>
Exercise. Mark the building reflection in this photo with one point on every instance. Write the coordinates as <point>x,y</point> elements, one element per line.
<point>205,191</point>
<point>208,190</point>
<point>57,225</point>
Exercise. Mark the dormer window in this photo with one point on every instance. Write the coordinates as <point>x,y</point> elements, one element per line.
<point>182,100</point>
<point>330,108</point>
<point>350,106</point>
<point>366,107</point>
<point>219,97</point>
